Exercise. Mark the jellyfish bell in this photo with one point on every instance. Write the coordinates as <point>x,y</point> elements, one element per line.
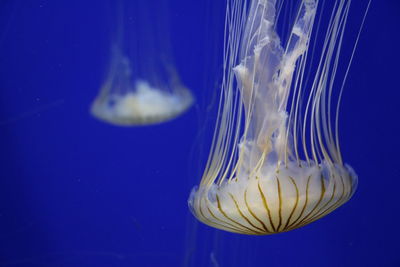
<point>276,200</point>
<point>275,162</point>
<point>142,86</point>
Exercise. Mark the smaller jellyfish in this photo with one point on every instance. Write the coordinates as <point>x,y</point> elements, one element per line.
<point>123,102</point>
<point>148,91</point>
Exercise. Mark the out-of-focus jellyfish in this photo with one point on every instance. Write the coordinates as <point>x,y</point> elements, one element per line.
<point>142,85</point>
<point>275,162</point>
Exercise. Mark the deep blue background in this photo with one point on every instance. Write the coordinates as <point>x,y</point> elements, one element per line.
<point>77,192</point>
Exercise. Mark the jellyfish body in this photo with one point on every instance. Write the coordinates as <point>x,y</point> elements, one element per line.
<point>124,102</point>
<point>149,90</point>
<point>275,162</point>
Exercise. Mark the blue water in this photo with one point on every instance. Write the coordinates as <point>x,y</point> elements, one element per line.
<point>77,192</point>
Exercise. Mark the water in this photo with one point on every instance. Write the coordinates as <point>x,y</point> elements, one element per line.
<point>77,192</point>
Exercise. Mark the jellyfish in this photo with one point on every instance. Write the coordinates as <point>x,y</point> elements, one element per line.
<point>275,162</point>
<point>142,85</point>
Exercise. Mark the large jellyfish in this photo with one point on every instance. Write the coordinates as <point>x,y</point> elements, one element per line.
<point>142,85</point>
<point>275,162</point>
